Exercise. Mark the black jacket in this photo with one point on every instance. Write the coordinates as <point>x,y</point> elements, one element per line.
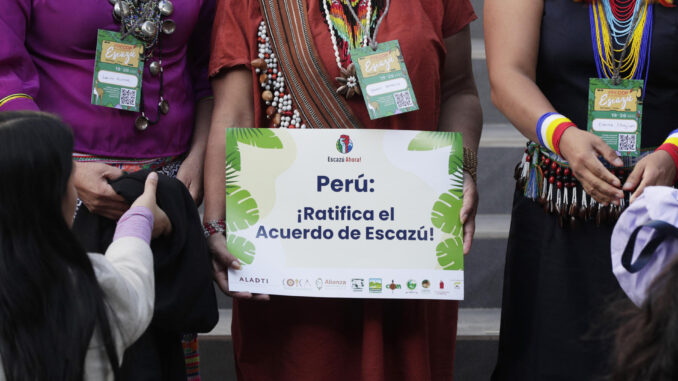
<point>185,301</point>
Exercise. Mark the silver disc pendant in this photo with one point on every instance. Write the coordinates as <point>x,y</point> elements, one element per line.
<point>166,7</point>
<point>163,106</point>
<point>149,29</point>
<point>141,123</point>
<point>120,10</point>
<point>168,26</point>
<point>154,68</point>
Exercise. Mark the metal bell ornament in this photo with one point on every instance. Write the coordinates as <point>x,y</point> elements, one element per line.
<point>149,29</point>
<point>163,106</point>
<point>169,26</point>
<point>141,123</point>
<point>166,8</point>
<point>120,10</point>
<point>145,19</point>
<point>154,68</point>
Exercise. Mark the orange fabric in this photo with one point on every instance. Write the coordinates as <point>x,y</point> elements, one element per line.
<point>419,26</point>
<point>339,339</point>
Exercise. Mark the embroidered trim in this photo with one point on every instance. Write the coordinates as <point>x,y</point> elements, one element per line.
<point>12,97</point>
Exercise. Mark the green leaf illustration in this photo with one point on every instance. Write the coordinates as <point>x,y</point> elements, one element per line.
<point>232,151</point>
<point>242,210</point>
<point>430,140</point>
<point>450,254</point>
<point>445,214</point>
<point>257,137</point>
<point>241,248</point>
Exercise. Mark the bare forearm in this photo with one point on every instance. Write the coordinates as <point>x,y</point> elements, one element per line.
<point>519,98</point>
<point>233,107</point>
<point>462,113</point>
<point>203,117</point>
<point>512,34</point>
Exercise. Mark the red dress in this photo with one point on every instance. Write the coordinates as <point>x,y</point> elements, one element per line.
<point>341,339</point>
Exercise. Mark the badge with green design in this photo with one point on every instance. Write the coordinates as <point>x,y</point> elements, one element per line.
<point>615,113</point>
<point>327,212</point>
<point>118,71</point>
<point>384,81</point>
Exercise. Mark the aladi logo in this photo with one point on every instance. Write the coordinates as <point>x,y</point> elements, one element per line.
<point>344,144</point>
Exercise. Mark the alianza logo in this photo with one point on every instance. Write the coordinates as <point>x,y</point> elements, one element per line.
<point>344,144</point>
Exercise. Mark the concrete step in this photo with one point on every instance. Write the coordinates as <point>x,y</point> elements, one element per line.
<point>495,178</point>
<point>478,49</point>
<point>501,135</point>
<point>490,113</point>
<point>492,226</point>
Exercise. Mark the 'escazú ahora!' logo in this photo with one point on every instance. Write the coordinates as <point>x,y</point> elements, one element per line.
<point>344,144</point>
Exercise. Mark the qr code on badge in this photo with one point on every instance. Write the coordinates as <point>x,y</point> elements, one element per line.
<point>128,97</point>
<point>403,99</point>
<point>627,142</point>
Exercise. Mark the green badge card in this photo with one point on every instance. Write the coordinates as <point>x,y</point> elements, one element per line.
<point>118,71</point>
<point>615,113</point>
<point>384,81</point>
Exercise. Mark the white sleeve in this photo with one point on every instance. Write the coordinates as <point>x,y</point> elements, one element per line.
<point>126,277</point>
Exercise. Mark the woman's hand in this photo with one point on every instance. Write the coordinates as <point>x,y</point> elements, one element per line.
<point>161,223</point>
<point>656,168</point>
<point>95,191</point>
<point>222,260</point>
<point>581,149</point>
<point>468,211</point>
<point>191,174</point>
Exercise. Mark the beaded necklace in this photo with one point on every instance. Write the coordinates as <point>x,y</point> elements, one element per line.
<point>337,19</point>
<point>621,32</point>
<point>276,96</point>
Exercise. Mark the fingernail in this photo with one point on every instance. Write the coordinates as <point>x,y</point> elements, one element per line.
<point>618,162</point>
<point>627,185</point>
<point>236,265</point>
<point>463,218</point>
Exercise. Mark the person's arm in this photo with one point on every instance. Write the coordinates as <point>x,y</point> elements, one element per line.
<point>233,107</point>
<point>461,112</point>
<point>512,33</point>
<point>198,52</point>
<point>191,170</point>
<point>19,82</point>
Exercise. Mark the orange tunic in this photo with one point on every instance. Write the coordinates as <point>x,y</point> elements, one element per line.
<point>339,339</point>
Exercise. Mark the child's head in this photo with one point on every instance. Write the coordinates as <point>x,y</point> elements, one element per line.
<point>35,170</point>
<point>50,300</point>
<point>645,261</point>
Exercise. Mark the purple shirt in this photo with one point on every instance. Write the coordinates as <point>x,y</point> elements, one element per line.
<point>47,51</point>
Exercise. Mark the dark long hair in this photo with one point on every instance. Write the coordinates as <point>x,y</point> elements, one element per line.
<point>646,342</point>
<point>50,301</point>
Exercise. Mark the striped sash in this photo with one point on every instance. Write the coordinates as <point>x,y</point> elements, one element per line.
<point>314,94</point>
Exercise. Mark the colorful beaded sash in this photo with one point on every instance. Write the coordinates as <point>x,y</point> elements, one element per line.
<point>308,82</point>
<point>547,178</point>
